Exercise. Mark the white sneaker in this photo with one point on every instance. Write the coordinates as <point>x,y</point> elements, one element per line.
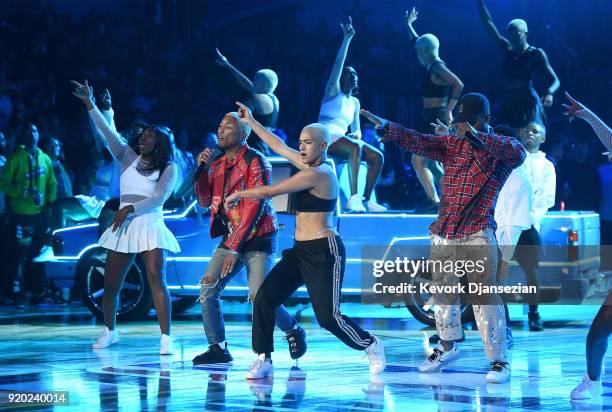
<point>108,338</point>
<point>374,207</point>
<point>439,359</point>
<point>166,345</point>
<point>261,368</point>
<point>376,356</point>
<point>46,253</point>
<point>499,373</point>
<point>587,389</point>
<point>355,204</point>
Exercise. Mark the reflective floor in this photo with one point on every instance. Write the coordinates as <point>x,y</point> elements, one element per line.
<point>49,349</point>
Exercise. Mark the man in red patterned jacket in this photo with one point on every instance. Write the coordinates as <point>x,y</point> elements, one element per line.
<point>476,163</point>
<point>249,234</point>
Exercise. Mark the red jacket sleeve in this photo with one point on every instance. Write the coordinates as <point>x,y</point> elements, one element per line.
<point>203,189</point>
<point>259,172</point>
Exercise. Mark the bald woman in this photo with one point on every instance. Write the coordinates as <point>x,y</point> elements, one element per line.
<point>440,89</point>
<point>521,103</point>
<point>317,258</point>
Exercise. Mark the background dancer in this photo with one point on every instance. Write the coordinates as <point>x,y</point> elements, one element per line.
<point>250,235</point>
<point>601,328</point>
<point>477,163</point>
<point>339,111</point>
<point>520,102</point>
<point>513,217</point>
<point>543,179</point>
<point>317,258</point>
<point>147,180</point>
<point>440,89</point>
<point>262,100</point>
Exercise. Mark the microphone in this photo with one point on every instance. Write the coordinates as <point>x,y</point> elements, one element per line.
<point>201,169</point>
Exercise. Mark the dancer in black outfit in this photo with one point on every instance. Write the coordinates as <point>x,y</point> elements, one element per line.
<point>521,104</point>
<point>440,89</point>
<point>317,258</point>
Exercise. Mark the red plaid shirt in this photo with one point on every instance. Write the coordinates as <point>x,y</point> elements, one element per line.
<point>472,178</point>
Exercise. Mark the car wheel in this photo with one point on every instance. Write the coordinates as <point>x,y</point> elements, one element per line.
<point>134,300</point>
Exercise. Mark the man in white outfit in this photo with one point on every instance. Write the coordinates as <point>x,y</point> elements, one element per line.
<point>541,174</point>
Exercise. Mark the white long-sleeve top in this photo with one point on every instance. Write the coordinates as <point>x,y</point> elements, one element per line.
<point>541,174</point>
<point>603,131</point>
<point>126,157</point>
<point>513,211</point>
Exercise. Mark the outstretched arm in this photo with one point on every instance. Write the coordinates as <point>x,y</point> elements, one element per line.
<point>333,84</point>
<point>487,21</point>
<point>411,17</point>
<point>273,141</point>
<point>116,145</point>
<point>547,97</point>
<point>244,81</point>
<point>577,109</point>
<point>429,146</point>
<point>302,180</point>
<point>106,108</point>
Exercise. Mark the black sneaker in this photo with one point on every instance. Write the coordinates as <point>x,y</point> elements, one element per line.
<point>296,338</point>
<point>535,323</point>
<point>214,354</point>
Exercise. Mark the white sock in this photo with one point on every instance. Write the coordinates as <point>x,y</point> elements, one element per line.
<point>222,344</point>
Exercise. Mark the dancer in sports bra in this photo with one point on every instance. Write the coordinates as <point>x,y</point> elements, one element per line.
<point>440,89</point>
<point>339,111</point>
<point>521,104</point>
<point>262,100</point>
<point>317,258</point>
<point>147,180</point>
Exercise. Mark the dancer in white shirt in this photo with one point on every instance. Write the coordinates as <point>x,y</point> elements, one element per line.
<point>513,217</point>
<point>541,174</point>
<point>147,180</point>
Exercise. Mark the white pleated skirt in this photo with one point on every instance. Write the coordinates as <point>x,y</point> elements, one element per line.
<point>139,234</point>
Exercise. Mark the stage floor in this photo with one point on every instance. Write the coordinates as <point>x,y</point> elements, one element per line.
<point>49,349</point>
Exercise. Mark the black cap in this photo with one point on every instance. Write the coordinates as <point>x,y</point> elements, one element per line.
<point>471,106</point>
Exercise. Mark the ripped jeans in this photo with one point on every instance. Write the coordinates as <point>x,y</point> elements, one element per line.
<point>488,309</point>
<point>258,265</point>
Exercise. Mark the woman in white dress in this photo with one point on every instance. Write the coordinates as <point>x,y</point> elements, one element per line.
<point>148,176</point>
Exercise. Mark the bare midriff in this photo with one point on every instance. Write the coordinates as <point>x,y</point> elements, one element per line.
<point>435,102</point>
<point>314,225</point>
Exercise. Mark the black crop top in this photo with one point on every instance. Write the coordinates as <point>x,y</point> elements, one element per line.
<point>307,202</point>
<point>431,89</point>
<point>268,120</point>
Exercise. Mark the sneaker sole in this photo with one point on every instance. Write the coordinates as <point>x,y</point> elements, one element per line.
<point>585,397</point>
<point>441,366</point>
<point>254,378</point>
<point>492,380</point>
<point>104,347</point>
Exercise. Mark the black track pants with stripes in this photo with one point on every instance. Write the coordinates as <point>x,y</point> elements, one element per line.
<point>318,264</point>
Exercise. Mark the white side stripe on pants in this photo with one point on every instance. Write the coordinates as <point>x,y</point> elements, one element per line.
<point>351,333</point>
